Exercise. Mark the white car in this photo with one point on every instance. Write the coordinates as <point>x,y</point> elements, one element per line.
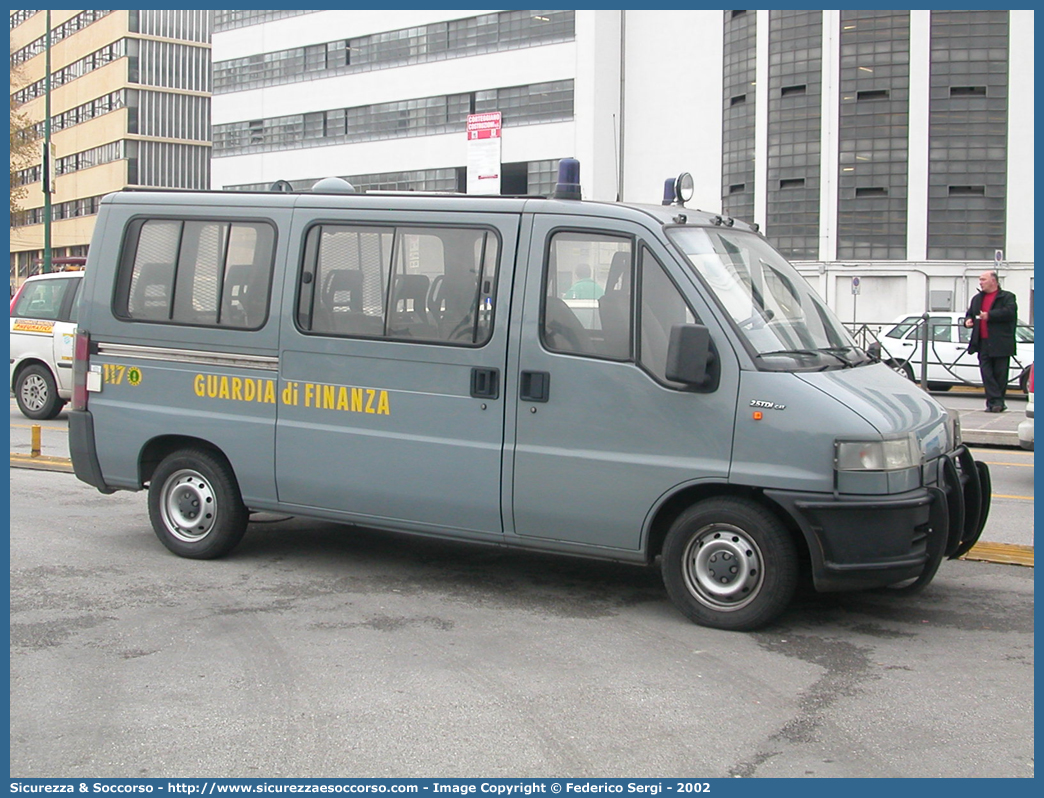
<point>949,363</point>
<point>43,323</point>
<point>1026,425</point>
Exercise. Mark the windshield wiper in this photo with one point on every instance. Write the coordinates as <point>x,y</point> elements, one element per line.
<point>807,353</point>
<point>839,351</point>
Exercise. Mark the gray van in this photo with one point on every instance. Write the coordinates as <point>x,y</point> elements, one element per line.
<point>420,363</point>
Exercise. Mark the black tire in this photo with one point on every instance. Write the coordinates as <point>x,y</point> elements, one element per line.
<point>37,393</point>
<point>939,386</point>
<point>753,547</point>
<point>1024,380</point>
<point>901,368</point>
<point>195,505</point>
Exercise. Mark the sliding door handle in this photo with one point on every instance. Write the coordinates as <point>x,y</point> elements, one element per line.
<point>485,383</point>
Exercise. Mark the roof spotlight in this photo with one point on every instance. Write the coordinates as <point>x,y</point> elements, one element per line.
<point>684,187</point>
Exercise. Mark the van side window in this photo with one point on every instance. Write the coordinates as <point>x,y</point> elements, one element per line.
<point>662,307</point>
<point>203,273</point>
<point>587,302</point>
<point>404,283</point>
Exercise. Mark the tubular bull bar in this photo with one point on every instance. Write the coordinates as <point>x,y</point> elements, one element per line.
<point>960,505</point>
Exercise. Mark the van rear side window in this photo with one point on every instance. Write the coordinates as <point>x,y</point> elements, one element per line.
<point>196,272</point>
<point>404,283</point>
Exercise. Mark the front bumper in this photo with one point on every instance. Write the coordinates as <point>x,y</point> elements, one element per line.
<point>869,541</point>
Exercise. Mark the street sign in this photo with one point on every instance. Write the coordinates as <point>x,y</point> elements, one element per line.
<point>998,256</point>
<point>483,155</point>
<point>855,286</point>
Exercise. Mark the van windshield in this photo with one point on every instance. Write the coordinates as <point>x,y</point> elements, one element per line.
<point>785,326</point>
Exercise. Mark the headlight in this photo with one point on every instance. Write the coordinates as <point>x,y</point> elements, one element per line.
<point>889,454</point>
<point>955,428</point>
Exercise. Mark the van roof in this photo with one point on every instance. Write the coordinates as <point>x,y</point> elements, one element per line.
<point>384,200</point>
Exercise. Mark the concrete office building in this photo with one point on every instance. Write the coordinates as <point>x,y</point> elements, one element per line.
<point>130,106</point>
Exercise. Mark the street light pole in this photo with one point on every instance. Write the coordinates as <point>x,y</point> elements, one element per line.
<point>47,167</point>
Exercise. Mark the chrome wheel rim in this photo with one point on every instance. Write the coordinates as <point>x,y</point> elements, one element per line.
<point>34,392</point>
<point>723,567</point>
<point>188,506</point>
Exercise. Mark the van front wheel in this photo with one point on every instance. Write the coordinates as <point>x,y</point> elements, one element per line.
<point>729,563</point>
<point>195,505</point>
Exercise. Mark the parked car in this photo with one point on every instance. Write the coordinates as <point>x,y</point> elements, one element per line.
<point>949,362</point>
<point>43,323</point>
<point>1026,426</point>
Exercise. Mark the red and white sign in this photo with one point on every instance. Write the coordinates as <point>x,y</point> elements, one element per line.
<point>484,144</point>
<point>484,126</point>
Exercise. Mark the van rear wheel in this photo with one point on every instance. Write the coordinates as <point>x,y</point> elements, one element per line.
<point>195,505</point>
<point>729,563</point>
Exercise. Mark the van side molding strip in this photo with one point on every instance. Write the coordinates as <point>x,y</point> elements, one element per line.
<point>194,356</point>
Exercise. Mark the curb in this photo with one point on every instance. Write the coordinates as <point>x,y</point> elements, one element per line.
<point>989,437</point>
<point>1005,553</point>
<point>1002,553</point>
<point>42,463</point>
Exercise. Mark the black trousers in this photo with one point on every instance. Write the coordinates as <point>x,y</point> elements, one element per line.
<point>994,371</point>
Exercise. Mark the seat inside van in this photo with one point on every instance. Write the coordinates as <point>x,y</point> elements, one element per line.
<point>150,293</point>
<point>410,317</point>
<point>614,308</point>
<point>340,307</point>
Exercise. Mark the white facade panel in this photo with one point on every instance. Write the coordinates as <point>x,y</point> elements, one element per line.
<point>1019,232</point>
<point>596,108</point>
<point>673,99</point>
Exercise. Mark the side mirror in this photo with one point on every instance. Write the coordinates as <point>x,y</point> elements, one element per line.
<point>692,359</point>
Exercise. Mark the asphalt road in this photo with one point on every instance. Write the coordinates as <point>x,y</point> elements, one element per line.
<point>322,650</point>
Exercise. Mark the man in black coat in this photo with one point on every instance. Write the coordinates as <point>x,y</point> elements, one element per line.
<point>992,316</point>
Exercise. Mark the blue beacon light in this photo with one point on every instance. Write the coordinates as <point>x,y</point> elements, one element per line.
<point>568,186</point>
<point>668,191</point>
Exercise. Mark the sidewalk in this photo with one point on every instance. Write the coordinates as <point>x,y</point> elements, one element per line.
<point>979,428</point>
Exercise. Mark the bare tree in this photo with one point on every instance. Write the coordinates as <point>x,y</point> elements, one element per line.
<point>23,148</point>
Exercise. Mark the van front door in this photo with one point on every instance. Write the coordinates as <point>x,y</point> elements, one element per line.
<point>392,408</point>
<point>601,436</point>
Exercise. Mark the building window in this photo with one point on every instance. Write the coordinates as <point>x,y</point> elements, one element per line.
<point>96,60</point>
<point>422,116</point>
<point>739,99</point>
<point>66,29</point>
<point>440,40</point>
<point>794,126</point>
<point>230,20</point>
<point>874,131</point>
<point>968,132</point>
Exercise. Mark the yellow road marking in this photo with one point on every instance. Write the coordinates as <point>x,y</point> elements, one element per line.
<point>1005,496</point>
<point>1006,553</point>
<point>30,426</point>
